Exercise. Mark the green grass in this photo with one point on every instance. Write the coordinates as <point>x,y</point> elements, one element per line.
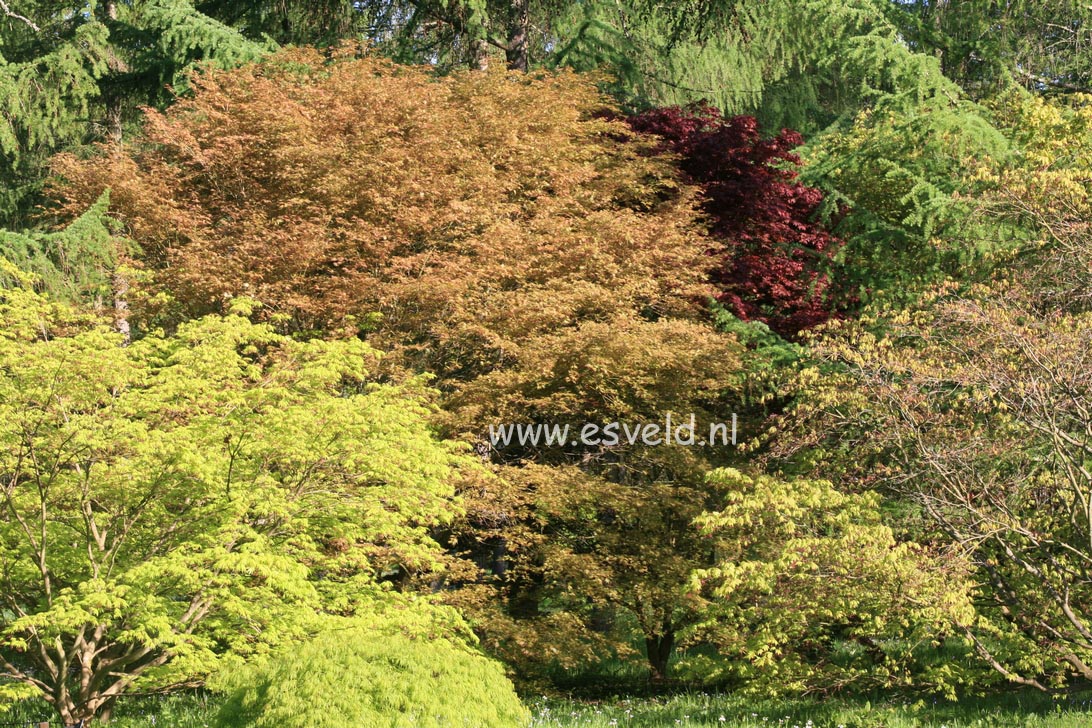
<point>187,710</point>
<point>1005,710</point>
<point>701,709</point>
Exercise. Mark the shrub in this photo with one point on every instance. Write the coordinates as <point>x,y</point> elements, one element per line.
<point>348,679</point>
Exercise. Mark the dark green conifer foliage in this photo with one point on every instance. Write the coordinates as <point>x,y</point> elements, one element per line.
<point>743,56</point>
<point>988,45</point>
<point>74,264</point>
<point>901,183</point>
<point>72,73</point>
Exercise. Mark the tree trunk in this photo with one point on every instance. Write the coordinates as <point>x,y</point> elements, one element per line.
<point>479,56</point>
<point>113,118</point>
<point>518,27</point>
<point>112,96</point>
<point>499,560</point>
<point>107,711</point>
<point>76,713</point>
<point>659,649</point>
<point>121,305</point>
<point>74,716</point>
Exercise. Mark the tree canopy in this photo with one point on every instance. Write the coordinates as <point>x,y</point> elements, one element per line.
<point>853,231</point>
<point>199,497</point>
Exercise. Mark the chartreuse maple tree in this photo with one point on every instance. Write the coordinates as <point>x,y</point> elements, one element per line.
<point>358,680</point>
<point>991,450</point>
<point>973,408</point>
<point>189,499</point>
<point>811,591</point>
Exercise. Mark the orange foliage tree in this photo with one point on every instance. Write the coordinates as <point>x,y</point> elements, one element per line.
<point>498,231</point>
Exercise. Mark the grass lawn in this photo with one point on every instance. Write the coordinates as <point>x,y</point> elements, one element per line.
<point>1008,710</point>
<point>699,709</point>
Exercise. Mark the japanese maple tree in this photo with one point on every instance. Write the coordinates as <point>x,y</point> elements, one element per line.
<point>770,268</point>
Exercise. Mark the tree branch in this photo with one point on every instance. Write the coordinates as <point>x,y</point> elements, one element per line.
<point>8,12</point>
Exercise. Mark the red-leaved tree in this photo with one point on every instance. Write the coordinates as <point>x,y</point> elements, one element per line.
<point>772,268</point>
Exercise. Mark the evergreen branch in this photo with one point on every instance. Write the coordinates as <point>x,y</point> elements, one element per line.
<point>707,93</point>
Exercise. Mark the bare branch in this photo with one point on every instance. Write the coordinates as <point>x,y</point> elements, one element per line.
<point>8,12</point>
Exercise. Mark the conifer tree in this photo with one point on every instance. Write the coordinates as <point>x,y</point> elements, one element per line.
<point>987,46</point>
<point>73,264</point>
<point>74,72</point>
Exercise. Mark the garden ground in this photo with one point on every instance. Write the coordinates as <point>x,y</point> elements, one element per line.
<point>1003,710</point>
